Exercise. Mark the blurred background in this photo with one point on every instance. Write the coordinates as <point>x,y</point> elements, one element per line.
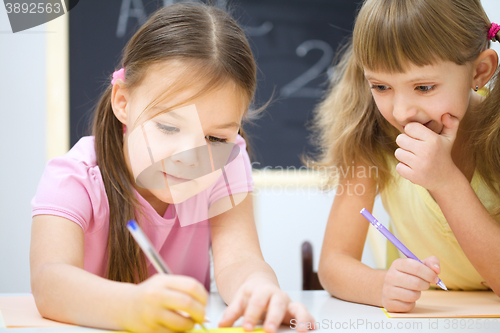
<point>52,74</point>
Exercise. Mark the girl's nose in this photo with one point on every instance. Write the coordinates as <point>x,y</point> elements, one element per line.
<point>403,110</point>
<point>189,150</point>
<point>188,157</point>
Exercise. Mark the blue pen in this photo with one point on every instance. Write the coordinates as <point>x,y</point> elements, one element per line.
<point>394,240</point>
<point>152,254</point>
<point>148,248</point>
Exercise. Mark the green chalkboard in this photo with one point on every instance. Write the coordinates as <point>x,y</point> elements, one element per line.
<point>294,43</point>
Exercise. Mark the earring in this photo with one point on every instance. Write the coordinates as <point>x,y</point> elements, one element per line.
<point>477,87</point>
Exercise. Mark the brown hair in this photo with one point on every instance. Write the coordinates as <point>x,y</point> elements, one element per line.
<point>202,38</point>
<point>388,36</point>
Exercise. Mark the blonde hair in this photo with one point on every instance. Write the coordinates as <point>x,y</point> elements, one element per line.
<point>388,36</point>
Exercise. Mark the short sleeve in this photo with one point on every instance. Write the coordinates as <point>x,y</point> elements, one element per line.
<point>238,174</point>
<point>68,188</point>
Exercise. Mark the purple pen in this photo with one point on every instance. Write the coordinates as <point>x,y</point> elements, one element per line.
<point>394,240</point>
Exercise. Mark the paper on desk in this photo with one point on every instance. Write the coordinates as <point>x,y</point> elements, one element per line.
<point>2,325</point>
<point>22,312</point>
<point>453,304</point>
<point>213,330</point>
<point>225,330</point>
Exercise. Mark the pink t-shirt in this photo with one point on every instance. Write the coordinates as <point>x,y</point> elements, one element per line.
<point>72,187</point>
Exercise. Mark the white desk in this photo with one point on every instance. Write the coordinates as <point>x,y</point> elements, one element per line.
<point>331,315</point>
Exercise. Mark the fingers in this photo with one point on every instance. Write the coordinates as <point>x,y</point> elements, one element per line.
<point>404,171</point>
<point>410,282</point>
<point>418,131</point>
<point>395,305</point>
<point>235,309</point>
<point>433,263</point>
<point>174,321</point>
<point>405,156</point>
<point>178,301</point>
<point>406,153</point>
<point>276,311</point>
<point>268,300</point>
<point>187,285</point>
<point>405,295</point>
<point>450,126</point>
<point>257,305</point>
<point>405,280</point>
<point>299,312</point>
<point>417,269</point>
<point>181,294</point>
<point>253,301</point>
<point>407,143</point>
<point>166,303</point>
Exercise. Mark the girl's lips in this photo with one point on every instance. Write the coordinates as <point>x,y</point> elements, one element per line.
<point>426,124</point>
<point>172,180</point>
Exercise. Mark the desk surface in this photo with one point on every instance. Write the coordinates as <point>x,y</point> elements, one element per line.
<point>331,315</point>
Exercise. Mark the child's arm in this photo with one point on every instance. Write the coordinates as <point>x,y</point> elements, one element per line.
<point>244,280</point>
<point>426,160</point>
<point>63,291</point>
<point>340,269</point>
<point>476,231</point>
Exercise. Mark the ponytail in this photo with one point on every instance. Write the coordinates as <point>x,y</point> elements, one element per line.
<point>126,262</point>
<point>213,45</point>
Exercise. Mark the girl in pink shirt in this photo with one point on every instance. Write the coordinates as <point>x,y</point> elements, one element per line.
<point>165,151</point>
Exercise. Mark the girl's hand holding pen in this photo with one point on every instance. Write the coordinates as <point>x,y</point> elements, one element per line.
<point>258,298</point>
<point>425,156</point>
<point>154,304</point>
<point>405,280</point>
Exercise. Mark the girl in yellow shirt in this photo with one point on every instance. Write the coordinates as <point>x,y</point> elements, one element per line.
<point>403,113</point>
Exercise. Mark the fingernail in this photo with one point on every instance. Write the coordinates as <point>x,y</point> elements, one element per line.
<point>248,326</point>
<point>436,265</point>
<point>271,327</point>
<point>436,280</point>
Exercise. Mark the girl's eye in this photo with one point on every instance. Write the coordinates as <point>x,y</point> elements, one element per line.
<point>379,87</point>
<point>215,140</point>
<point>424,88</point>
<point>167,129</point>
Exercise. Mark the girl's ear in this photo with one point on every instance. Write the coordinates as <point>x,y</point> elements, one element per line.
<point>484,67</point>
<point>119,99</point>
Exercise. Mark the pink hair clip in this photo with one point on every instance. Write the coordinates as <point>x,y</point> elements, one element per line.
<point>118,75</point>
<point>493,32</point>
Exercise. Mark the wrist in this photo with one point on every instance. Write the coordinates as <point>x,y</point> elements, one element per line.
<point>261,279</point>
<point>379,292</point>
<point>124,307</point>
<point>454,180</point>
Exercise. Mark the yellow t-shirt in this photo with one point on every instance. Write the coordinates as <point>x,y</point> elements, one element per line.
<point>418,222</point>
